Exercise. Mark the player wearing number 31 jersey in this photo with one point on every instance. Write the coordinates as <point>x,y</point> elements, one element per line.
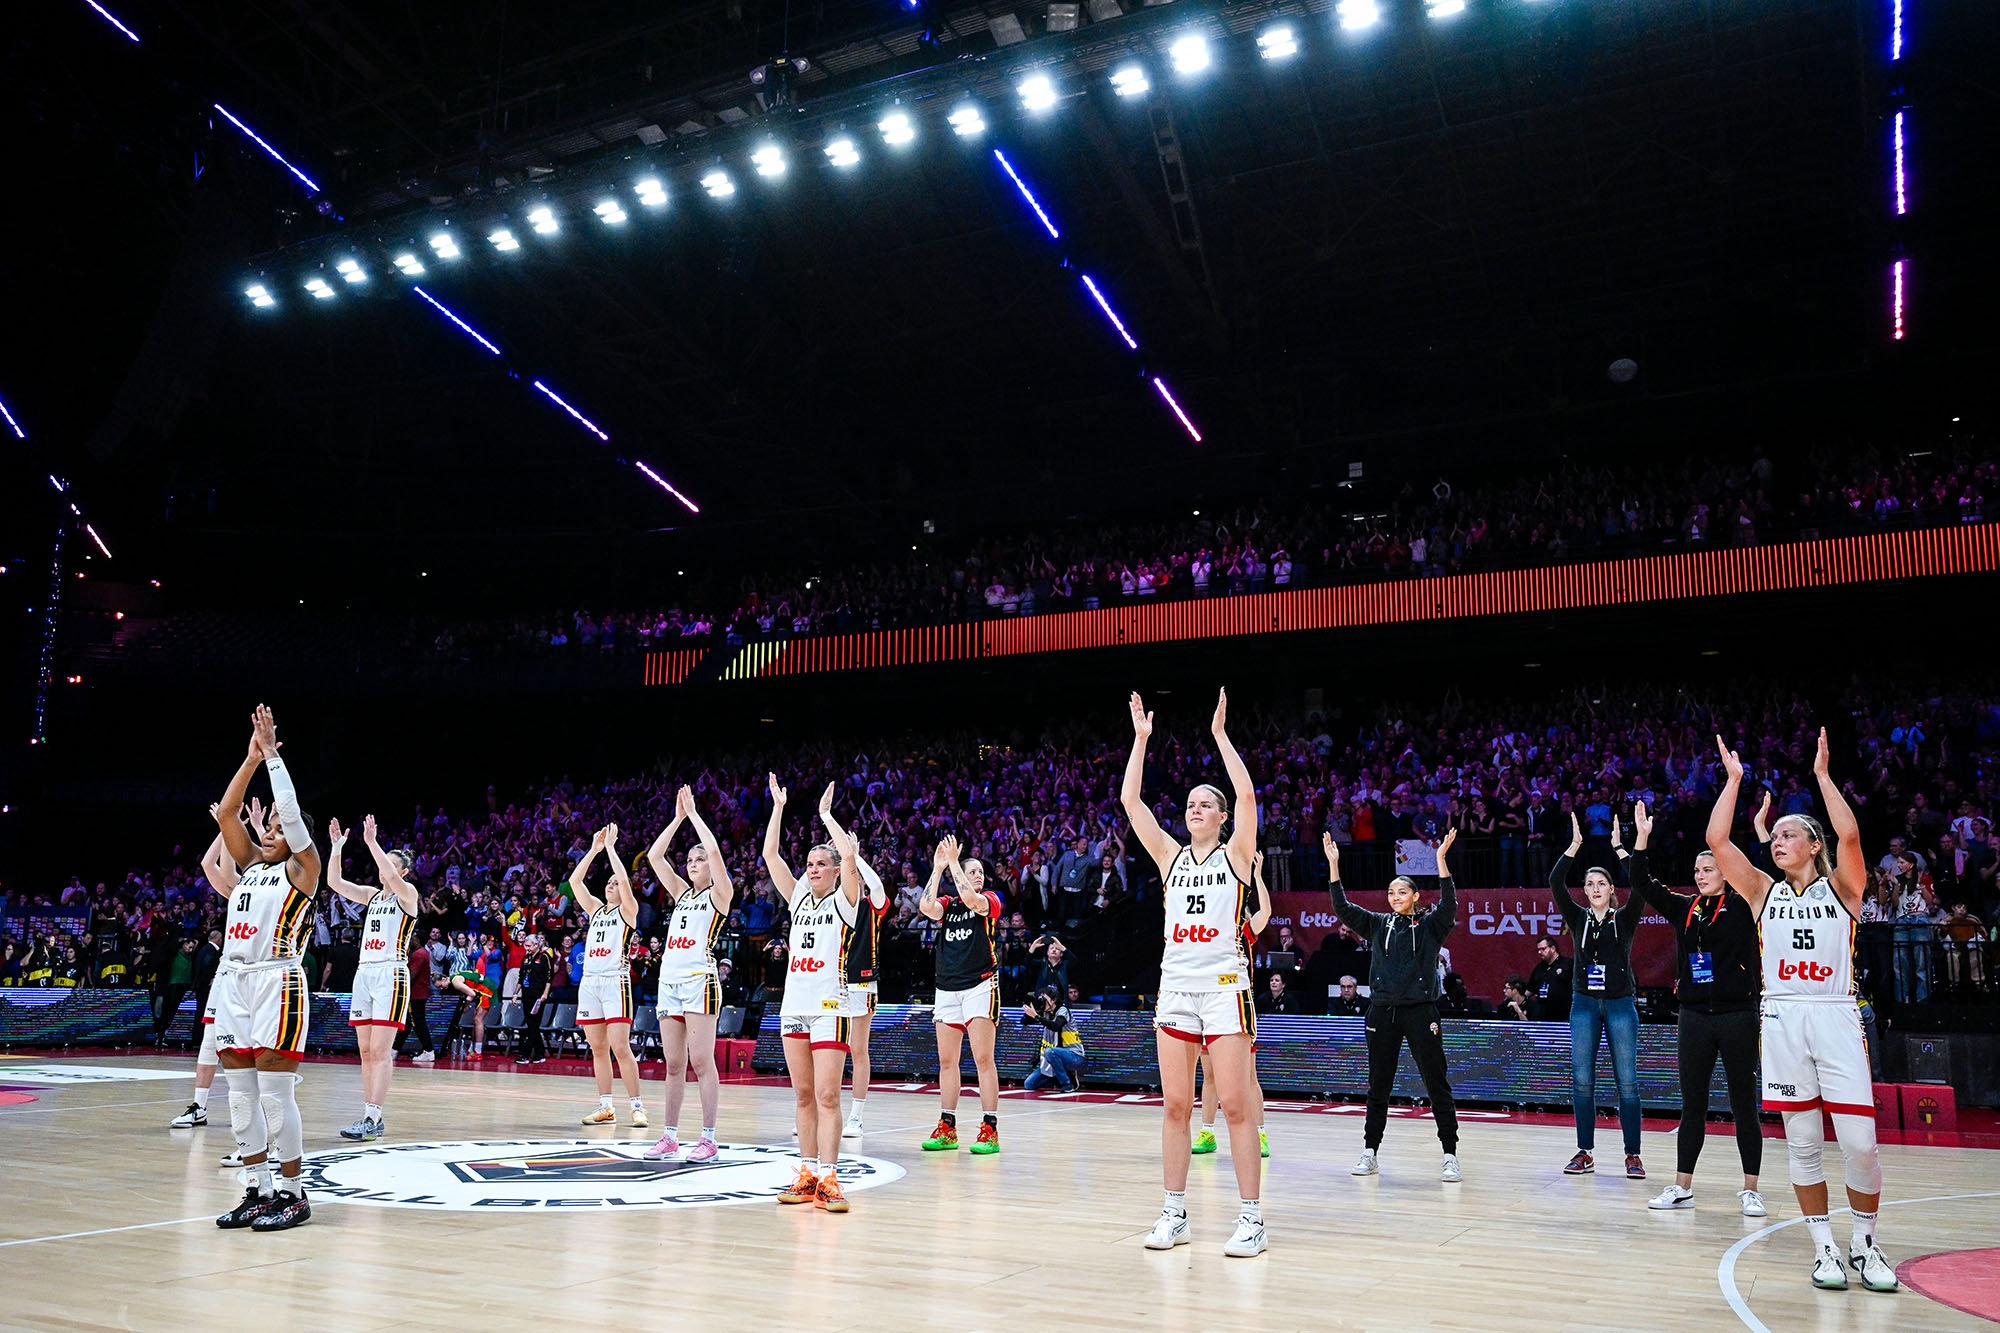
<point>1814,1056</point>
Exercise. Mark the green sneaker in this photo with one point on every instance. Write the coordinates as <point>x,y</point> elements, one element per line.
<point>988,1141</point>
<point>943,1139</point>
<point>1263,1143</point>
<point>1203,1142</point>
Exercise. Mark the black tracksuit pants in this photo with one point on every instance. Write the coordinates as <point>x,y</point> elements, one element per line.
<point>1734,1036</point>
<point>1389,1026</point>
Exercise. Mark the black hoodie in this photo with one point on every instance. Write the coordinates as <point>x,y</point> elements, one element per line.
<point>1403,950</point>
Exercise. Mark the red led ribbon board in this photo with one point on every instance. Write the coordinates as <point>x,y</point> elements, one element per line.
<point>1831,562</point>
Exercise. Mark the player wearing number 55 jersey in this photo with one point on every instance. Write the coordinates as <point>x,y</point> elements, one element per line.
<point>1204,974</point>
<point>381,1003</point>
<point>1814,1056</point>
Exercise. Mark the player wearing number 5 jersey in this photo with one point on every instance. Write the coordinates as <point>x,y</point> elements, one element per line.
<point>1205,999</point>
<point>1814,1055</point>
<point>604,995</point>
<point>381,1003</point>
<point>690,989</point>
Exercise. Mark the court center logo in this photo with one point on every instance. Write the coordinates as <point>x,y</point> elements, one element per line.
<point>493,1174</point>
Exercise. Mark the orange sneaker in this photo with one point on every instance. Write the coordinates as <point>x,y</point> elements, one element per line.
<point>830,1198</point>
<point>603,1115</point>
<point>943,1139</point>
<point>803,1190</point>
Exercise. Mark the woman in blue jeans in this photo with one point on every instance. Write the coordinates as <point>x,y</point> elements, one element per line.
<point>1601,1003</point>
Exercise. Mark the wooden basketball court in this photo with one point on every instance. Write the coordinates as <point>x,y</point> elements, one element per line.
<point>534,1222</point>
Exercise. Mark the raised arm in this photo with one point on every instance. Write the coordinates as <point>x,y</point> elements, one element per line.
<point>217,868</point>
<point>656,855</point>
<point>1440,919</point>
<point>336,838</point>
<point>1760,823</point>
<point>947,852</point>
<point>389,868</point>
<point>1850,874</point>
<point>850,865</point>
<point>721,888</point>
<point>782,879</point>
<point>1566,904</point>
<point>585,899</point>
<point>304,867</point>
<point>1151,836</point>
<point>1261,917</point>
<point>1357,919</point>
<point>1746,878</point>
<point>228,811</point>
<point>619,894</point>
<point>1644,885</point>
<point>1243,835</point>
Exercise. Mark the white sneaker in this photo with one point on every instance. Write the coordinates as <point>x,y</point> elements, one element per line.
<point>1877,1273</point>
<point>852,1129</point>
<point>1673,1196</point>
<point>1828,1271</point>
<point>234,1158</point>
<point>1365,1164</point>
<point>1450,1175</point>
<point>1170,1230</point>
<point>1248,1240</point>
<point>1753,1203</point>
<point>188,1119</point>
<point>424,1058</point>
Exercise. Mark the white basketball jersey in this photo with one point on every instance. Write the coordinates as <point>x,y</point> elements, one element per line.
<point>1807,940</point>
<point>385,935</point>
<point>604,954</point>
<point>816,976</point>
<point>1206,908</point>
<point>267,917</point>
<point>691,936</point>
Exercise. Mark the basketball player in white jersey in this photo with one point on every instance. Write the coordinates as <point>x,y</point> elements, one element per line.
<point>1205,1002</point>
<point>817,1007</point>
<point>381,1003</point>
<point>261,1012</point>
<point>1814,1055</point>
<point>604,995</point>
<point>221,873</point>
<point>1260,917</point>
<point>864,949</point>
<point>690,987</point>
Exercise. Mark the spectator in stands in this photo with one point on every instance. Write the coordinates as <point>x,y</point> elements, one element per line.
<point>1550,984</point>
<point>1277,997</point>
<point>1514,1003</point>
<point>1350,1002</point>
<point>1053,974</point>
<point>419,1026</point>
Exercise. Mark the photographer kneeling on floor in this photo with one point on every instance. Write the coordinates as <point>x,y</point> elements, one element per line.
<point>1061,1061</point>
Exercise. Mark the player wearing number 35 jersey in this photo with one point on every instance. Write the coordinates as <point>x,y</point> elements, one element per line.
<point>1205,997</point>
<point>1814,1056</point>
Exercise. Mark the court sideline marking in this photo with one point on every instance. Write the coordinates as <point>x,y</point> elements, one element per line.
<point>1725,1271</point>
<point>96,1106</point>
<point>106,1231</point>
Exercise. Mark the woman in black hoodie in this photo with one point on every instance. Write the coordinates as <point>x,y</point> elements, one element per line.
<point>1602,1003</point>
<point>1402,998</point>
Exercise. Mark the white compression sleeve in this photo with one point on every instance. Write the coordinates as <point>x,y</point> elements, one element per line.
<point>287,1136</point>
<point>286,798</point>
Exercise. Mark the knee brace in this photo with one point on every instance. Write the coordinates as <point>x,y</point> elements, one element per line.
<point>1804,1139</point>
<point>286,1135</point>
<point>208,1054</point>
<point>1856,1135</point>
<point>246,1112</point>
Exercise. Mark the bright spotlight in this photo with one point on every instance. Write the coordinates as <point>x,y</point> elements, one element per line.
<point>503,240</point>
<point>610,212</point>
<point>319,289</point>
<point>651,193</point>
<point>1358,13</point>
<point>896,128</point>
<point>351,270</point>
<point>1277,41</point>
<point>1037,92</point>
<point>260,296</point>
<point>409,265</point>
<point>966,122</point>
<point>1438,9</point>
<point>445,246</point>
<point>1190,54</point>
<point>543,220</point>
<point>841,152</point>
<point>1130,81</point>
<point>769,160</point>
<point>718,184</point>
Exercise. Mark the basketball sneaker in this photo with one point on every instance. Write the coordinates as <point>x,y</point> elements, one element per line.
<point>1364,1165</point>
<point>424,1058</point>
<point>603,1115</point>
<point>1753,1203</point>
<point>1580,1165</point>
<point>1204,1142</point>
<point>1828,1271</point>
<point>852,1128</point>
<point>1248,1239</point>
<point>704,1150</point>
<point>288,1211</point>
<point>1634,1168</point>
<point>1673,1196</point>
<point>188,1119</point>
<point>668,1146</point>
<point>943,1139</point>
<point>988,1141</point>
<point>1263,1144</point>
<point>639,1120</point>
<point>246,1211</point>
<point>803,1189</point>
<point>829,1198</point>
<point>1877,1274</point>
<point>1169,1230</point>
<point>364,1128</point>
<point>1450,1175</point>
<point>234,1157</point>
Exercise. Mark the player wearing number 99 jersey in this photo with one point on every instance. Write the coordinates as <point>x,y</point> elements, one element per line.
<point>381,1001</point>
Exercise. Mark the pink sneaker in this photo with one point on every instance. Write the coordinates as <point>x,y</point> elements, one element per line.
<point>668,1146</point>
<point>704,1151</point>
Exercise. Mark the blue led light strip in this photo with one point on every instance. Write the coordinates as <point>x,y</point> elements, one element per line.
<point>666,486</point>
<point>1109,313</point>
<point>276,156</point>
<point>582,420</point>
<point>444,310</point>
<point>112,19</point>
<point>19,434</point>
<point>1027,194</point>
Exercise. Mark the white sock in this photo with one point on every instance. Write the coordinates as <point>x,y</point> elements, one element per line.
<point>1864,1229</point>
<point>811,1164</point>
<point>1208,1127</point>
<point>290,1185</point>
<point>1822,1232</point>
<point>1260,1129</point>
<point>605,1101</point>
<point>854,1111</point>
<point>638,1103</point>
<point>708,1133</point>
<point>1253,1209</point>
<point>1176,1202</point>
<point>261,1173</point>
<point>372,1110</point>
<point>201,1098</point>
